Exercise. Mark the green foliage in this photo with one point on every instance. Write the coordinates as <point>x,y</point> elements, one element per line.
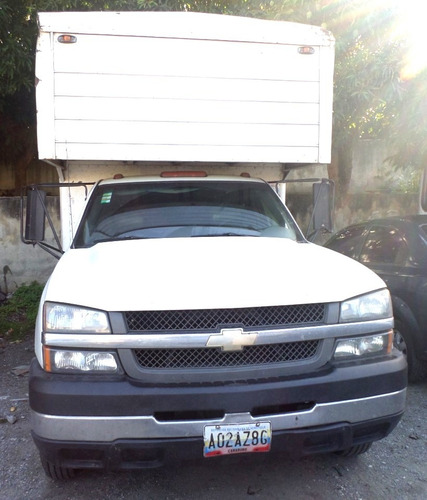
<point>369,98</point>
<point>17,35</point>
<point>408,133</point>
<point>368,62</point>
<point>18,314</point>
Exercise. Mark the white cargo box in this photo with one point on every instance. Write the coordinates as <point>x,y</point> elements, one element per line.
<point>183,87</point>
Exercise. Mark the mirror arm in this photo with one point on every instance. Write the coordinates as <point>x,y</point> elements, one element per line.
<point>55,252</point>
<point>52,227</point>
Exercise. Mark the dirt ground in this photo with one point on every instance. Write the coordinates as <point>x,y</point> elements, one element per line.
<point>394,468</point>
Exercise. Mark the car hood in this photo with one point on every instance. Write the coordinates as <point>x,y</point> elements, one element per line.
<point>200,273</point>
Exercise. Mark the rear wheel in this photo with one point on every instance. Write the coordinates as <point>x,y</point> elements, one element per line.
<point>404,343</point>
<point>56,472</point>
<point>355,450</point>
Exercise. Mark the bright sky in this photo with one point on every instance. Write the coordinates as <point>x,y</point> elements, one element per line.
<point>414,24</point>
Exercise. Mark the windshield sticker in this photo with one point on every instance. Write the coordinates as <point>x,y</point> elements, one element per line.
<point>106,197</point>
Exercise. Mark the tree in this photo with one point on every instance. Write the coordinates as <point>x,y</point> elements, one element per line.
<point>18,33</point>
<point>16,86</point>
<point>409,132</point>
<point>368,91</point>
<point>368,61</point>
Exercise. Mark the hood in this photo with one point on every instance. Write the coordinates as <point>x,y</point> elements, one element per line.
<point>206,273</point>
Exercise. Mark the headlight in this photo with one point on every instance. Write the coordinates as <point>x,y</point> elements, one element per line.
<point>59,361</point>
<point>63,318</point>
<point>375,305</point>
<point>364,346</point>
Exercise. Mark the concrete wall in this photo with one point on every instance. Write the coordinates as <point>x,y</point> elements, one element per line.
<point>20,263</point>
<point>360,207</point>
<point>36,172</point>
<point>373,193</point>
<point>375,189</point>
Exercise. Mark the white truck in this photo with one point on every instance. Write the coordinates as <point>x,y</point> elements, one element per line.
<point>188,316</point>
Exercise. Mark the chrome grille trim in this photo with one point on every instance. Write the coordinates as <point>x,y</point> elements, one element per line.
<point>147,341</point>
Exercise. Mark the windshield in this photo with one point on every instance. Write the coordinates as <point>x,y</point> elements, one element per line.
<point>176,209</point>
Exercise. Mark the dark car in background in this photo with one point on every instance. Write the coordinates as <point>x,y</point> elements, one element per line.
<point>396,249</point>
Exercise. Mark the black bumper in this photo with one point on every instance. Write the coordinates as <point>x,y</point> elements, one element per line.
<point>86,395</point>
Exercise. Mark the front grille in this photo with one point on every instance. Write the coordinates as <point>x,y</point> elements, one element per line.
<point>214,319</point>
<point>216,358</point>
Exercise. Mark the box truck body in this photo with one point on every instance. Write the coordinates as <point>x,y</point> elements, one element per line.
<point>188,315</point>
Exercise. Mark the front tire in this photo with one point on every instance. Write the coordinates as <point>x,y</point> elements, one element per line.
<point>404,343</point>
<point>355,450</point>
<point>55,472</point>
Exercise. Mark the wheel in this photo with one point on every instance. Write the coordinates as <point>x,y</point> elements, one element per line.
<point>56,472</point>
<point>355,450</point>
<point>403,342</point>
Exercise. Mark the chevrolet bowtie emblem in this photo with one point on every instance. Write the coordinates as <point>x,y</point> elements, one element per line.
<point>232,339</point>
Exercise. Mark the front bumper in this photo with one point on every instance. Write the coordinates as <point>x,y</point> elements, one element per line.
<point>90,421</point>
<point>103,429</point>
<point>149,453</point>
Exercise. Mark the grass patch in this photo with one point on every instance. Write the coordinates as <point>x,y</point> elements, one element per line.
<point>18,313</point>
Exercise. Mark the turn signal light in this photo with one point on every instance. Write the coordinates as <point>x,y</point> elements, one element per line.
<point>306,50</point>
<point>67,39</point>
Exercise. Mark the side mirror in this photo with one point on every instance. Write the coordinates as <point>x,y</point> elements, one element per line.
<point>35,215</point>
<point>322,205</point>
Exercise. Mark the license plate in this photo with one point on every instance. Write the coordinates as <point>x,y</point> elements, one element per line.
<point>229,439</point>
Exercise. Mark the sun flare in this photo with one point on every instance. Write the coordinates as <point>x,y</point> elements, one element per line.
<point>414,13</point>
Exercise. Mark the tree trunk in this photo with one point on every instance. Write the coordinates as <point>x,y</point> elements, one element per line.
<point>340,170</point>
<point>26,153</point>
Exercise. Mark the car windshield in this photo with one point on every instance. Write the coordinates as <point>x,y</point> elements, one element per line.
<point>176,209</point>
